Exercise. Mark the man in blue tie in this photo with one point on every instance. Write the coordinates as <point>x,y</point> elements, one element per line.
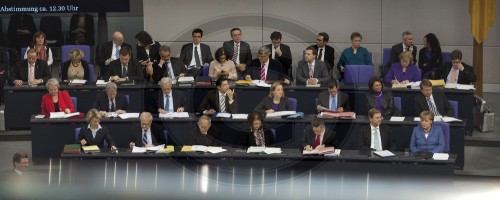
<point>147,134</point>
<point>167,66</point>
<point>375,136</point>
<point>170,100</point>
<point>333,99</point>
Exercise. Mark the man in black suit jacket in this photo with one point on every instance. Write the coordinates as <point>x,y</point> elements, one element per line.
<point>366,133</point>
<point>109,51</point>
<point>204,52</point>
<point>154,133</point>
<point>465,72</point>
<point>397,49</point>
<point>317,137</point>
<point>281,52</point>
<point>125,69</point>
<point>245,53</point>
<point>21,164</point>
<point>341,98</point>
<point>437,98</point>
<point>213,99</point>
<point>177,101</point>
<point>320,72</point>
<point>20,73</point>
<point>273,68</point>
<point>166,67</point>
<point>205,133</point>
<point>20,31</point>
<point>326,53</point>
<point>106,100</point>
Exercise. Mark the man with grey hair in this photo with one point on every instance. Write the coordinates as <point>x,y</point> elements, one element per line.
<point>169,100</point>
<point>167,66</point>
<point>205,133</point>
<point>110,101</point>
<point>146,134</point>
<point>404,46</point>
<point>110,51</point>
<point>266,69</point>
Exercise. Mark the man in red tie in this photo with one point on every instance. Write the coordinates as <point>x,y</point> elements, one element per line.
<point>266,69</point>
<point>318,137</point>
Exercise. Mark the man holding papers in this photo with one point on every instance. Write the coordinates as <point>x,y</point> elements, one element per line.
<point>111,101</point>
<point>317,137</point>
<point>147,134</point>
<point>223,99</point>
<point>333,99</point>
<point>205,134</point>
<point>375,136</point>
<point>169,100</point>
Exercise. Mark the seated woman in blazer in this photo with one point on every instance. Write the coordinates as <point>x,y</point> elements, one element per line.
<point>257,135</point>
<point>94,133</point>
<point>56,99</point>
<point>426,137</point>
<point>276,101</point>
<point>75,67</point>
<point>380,99</point>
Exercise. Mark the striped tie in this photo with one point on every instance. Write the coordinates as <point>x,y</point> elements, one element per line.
<point>235,53</point>
<point>263,72</point>
<point>432,107</point>
<point>31,74</point>
<point>376,139</point>
<point>145,138</point>
<point>222,102</point>
<point>311,71</point>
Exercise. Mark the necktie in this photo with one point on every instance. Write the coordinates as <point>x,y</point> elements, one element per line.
<point>235,53</point>
<point>376,139</point>
<point>454,76</point>
<point>124,70</point>
<point>222,102</point>
<point>197,57</point>
<point>320,54</point>
<point>317,142</point>
<point>167,103</point>
<point>117,51</point>
<point>113,108</point>
<point>263,72</point>
<point>432,107</point>
<point>311,70</point>
<point>145,138</point>
<point>333,103</point>
<point>31,75</point>
<point>260,138</point>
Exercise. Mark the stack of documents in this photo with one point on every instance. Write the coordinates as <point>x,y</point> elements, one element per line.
<point>340,115</point>
<point>384,153</point>
<point>185,80</point>
<point>77,82</point>
<point>202,148</point>
<point>54,115</point>
<point>397,119</point>
<point>93,148</point>
<point>128,115</point>
<point>440,156</point>
<point>175,114</point>
<point>267,150</point>
<point>147,149</point>
<point>240,116</point>
<point>280,114</point>
<point>260,83</point>
<point>459,86</point>
<point>326,150</point>
<point>101,83</point>
<point>223,115</point>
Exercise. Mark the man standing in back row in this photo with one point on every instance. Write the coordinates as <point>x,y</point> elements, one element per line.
<point>239,52</point>
<point>281,52</point>
<point>194,55</point>
<point>326,53</point>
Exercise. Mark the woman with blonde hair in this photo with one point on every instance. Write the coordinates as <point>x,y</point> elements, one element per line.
<point>75,67</point>
<point>276,101</point>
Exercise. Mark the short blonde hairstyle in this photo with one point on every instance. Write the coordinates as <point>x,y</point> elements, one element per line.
<point>93,113</point>
<point>76,54</point>
<point>53,82</point>
<point>426,115</point>
<point>406,56</point>
<point>273,88</point>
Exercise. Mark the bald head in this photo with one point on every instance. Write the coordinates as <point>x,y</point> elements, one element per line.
<point>118,38</point>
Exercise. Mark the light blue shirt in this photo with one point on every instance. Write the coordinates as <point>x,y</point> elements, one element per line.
<point>336,101</point>
<point>448,79</point>
<point>94,132</point>
<point>170,105</point>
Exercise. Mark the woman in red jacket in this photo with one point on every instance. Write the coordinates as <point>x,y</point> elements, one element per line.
<point>56,99</point>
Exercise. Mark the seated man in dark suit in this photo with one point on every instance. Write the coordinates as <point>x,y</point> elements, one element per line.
<point>404,46</point>
<point>31,71</point>
<point>223,99</point>
<point>205,133</point>
<point>456,71</point>
<point>266,69</point>
<point>146,134</point>
<point>169,100</point>
<point>166,67</point>
<point>238,51</point>
<point>281,52</point>
<point>110,51</point>
<point>202,52</point>
<point>317,137</point>
<point>381,134</point>
<point>434,101</point>
<point>124,69</point>
<point>333,99</point>
<point>110,101</point>
<point>311,71</point>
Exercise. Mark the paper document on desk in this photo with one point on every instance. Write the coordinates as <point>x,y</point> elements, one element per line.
<point>450,119</point>
<point>255,149</point>
<point>139,150</point>
<point>440,156</point>
<point>175,114</point>
<point>55,115</point>
<point>167,149</point>
<point>397,119</point>
<point>335,153</point>
<point>199,148</point>
<point>77,81</point>
<point>92,148</point>
<point>459,86</point>
<point>384,153</point>
<point>240,116</point>
<point>416,119</point>
<point>101,82</point>
<point>326,150</point>
<point>260,83</point>
<point>281,113</point>
<point>112,114</point>
<point>223,115</point>
<point>313,85</point>
<point>215,149</point>
<point>128,115</point>
<point>272,150</point>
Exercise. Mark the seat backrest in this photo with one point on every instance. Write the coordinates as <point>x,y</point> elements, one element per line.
<point>454,104</point>
<point>446,132</point>
<point>206,70</point>
<point>65,49</point>
<point>386,57</point>
<point>128,98</point>
<point>75,102</point>
<point>397,103</point>
<point>359,74</point>
<point>91,72</point>
<point>293,103</point>
<point>52,27</point>
<point>165,132</point>
<point>23,52</point>
<point>446,57</point>
<point>77,132</point>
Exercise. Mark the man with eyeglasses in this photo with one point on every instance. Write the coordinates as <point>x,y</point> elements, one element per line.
<point>456,71</point>
<point>146,134</point>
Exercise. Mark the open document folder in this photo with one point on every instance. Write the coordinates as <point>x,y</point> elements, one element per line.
<point>202,148</point>
<point>267,150</point>
<point>175,115</point>
<point>55,115</point>
<point>146,149</point>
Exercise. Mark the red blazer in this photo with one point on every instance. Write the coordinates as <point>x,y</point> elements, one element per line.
<point>63,102</point>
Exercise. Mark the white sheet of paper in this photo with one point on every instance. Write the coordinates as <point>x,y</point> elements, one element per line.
<point>397,119</point>
<point>450,119</point>
<point>54,115</point>
<point>112,114</point>
<point>138,150</point>
<point>39,116</point>
<point>77,81</point>
<point>216,149</point>
<point>272,150</point>
<point>186,79</point>
<point>175,114</point>
<point>129,115</point>
<point>101,82</point>
<point>465,87</point>
<point>71,114</point>
<point>260,83</point>
<point>384,153</point>
<point>240,116</point>
<point>335,153</point>
<point>281,113</point>
<point>224,115</point>
<point>417,119</point>
<point>440,156</point>
<point>198,148</point>
<point>254,149</point>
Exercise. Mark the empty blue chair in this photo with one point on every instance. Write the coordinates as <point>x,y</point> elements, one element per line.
<point>397,103</point>
<point>446,133</point>
<point>75,102</point>
<point>293,103</point>
<point>446,57</point>
<point>128,98</point>
<point>23,51</point>
<point>358,74</point>
<point>386,56</point>
<point>206,70</point>
<point>454,104</point>
<point>65,49</point>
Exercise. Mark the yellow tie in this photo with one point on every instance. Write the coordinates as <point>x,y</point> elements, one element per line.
<point>454,76</point>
